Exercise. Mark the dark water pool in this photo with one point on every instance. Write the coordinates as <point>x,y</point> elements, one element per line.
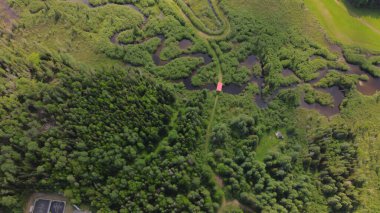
<point>185,43</point>
<point>328,111</point>
<point>157,60</point>
<point>369,87</point>
<point>287,72</point>
<point>249,62</point>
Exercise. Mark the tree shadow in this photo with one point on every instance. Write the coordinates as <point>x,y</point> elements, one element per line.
<point>361,12</point>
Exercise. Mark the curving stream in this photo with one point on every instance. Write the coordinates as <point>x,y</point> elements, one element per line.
<point>369,87</point>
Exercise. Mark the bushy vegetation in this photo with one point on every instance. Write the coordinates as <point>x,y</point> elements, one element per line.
<point>335,78</point>
<point>333,154</point>
<point>314,96</point>
<point>178,68</point>
<point>356,56</point>
<point>365,3</point>
<point>205,13</point>
<point>86,110</point>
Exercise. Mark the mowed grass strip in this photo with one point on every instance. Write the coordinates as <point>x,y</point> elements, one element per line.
<point>348,25</point>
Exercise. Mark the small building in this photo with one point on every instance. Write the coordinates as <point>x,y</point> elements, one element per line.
<point>279,135</point>
<point>219,87</point>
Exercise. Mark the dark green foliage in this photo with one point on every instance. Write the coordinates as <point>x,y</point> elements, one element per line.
<point>220,134</point>
<point>333,154</point>
<point>178,68</point>
<point>366,3</point>
<point>335,78</point>
<point>242,126</point>
<point>355,56</point>
<point>123,139</point>
<point>314,96</point>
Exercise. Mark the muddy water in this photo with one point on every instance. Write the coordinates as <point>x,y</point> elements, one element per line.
<point>157,60</point>
<point>185,44</point>
<point>287,72</point>
<point>233,89</point>
<point>326,110</point>
<point>259,98</point>
<point>186,81</point>
<point>336,48</point>
<point>314,57</point>
<point>87,2</point>
<point>156,56</point>
<point>369,87</point>
<point>322,74</point>
<point>114,39</point>
<point>249,62</point>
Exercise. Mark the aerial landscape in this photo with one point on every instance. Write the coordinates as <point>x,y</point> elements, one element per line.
<point>189,106</point>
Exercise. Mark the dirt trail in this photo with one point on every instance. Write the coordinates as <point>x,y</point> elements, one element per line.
<point>195,21</point>
<point>234,203</point>
<point>7,15</point>
<point>206,37</point>
<point>209,127</point>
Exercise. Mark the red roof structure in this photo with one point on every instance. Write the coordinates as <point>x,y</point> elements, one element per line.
<point>219,87</point>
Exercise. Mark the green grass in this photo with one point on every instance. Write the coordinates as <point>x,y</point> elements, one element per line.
<point>347,25</point>
<point>267,144</point>
<point>75,33</point>
<point>283,15</point>
<point>192,20</point>
<point>204,12</point>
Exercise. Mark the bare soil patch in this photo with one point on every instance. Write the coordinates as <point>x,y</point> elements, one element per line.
<point>7,15</point>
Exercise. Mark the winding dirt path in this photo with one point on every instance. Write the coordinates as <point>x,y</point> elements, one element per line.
<point>207,35</point>
<point>194,21</point>
<point>7,15</point>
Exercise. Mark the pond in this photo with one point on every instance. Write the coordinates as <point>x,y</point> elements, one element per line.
<point>287,72</point>
<point>366,87</point>
<point>157,60</point>
<point>328,111</point>
<point>185,44</point>
<point>249,62</point>
<point>369,87</point>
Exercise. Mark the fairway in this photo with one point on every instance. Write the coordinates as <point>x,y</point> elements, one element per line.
<point>348,25</point>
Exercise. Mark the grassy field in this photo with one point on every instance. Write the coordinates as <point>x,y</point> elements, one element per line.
<point>282,14</point>
<point>203,11</point>
<point>348,25</point>
<point>267,144</point>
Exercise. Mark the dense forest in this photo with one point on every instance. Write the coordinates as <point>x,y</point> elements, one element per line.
<point>112,104</point>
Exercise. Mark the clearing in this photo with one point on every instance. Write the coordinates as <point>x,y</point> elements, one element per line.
<point>348,25</point>
<point>7,15</point>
